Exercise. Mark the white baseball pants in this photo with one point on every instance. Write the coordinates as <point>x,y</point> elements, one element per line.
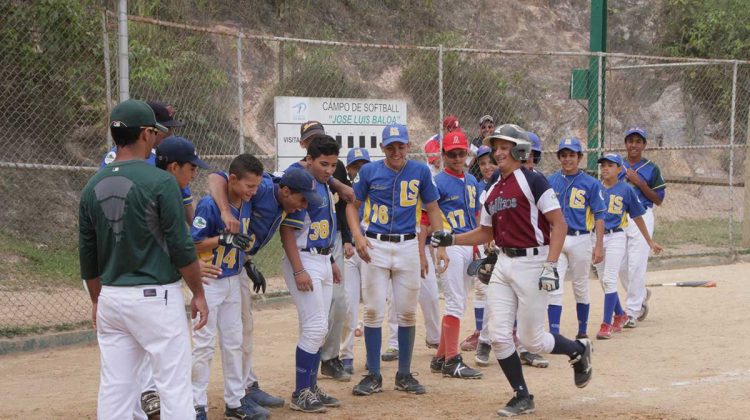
<point>337,313</point>
<point>225,319</point>
<point>574,266</point>
<point>456,282</point>
<point>246,294</point>
<point>131,323</point>
<point>353,288</point>
<point>633,270</point>
<point>614,253</point>
<point>312,307</point>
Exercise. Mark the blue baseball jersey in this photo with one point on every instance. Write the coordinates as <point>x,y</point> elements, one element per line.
<point>187,196</point>
<point>482,185</point>
<point>207,224</point>
<point>393,199</point>
<point>650,173</point>
<point>317,225</point>
<point>621,200</point>
<point>459,201</point>
<point>580,198</point>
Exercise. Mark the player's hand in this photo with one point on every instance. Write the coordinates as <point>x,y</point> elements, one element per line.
<point>441,238</point>
<point>597,254</point>
<point>231,223</point>
<point>304,282</point>
<point>209,270</point>
<point>259,281</point>
<point>348,250</point>
<point>549,280</point>
<point>347,194</point>
<point>633,177</point>
<point>198,306</point>
<point>93,314</point>
<point>336,273</point>
<point>362,245</point>
<point>655,247</point>
<point>424,268</point>
<point>237,240</point>
<point>442,260</point>
<point>488,266</point>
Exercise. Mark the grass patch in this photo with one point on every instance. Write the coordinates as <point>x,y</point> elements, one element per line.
<point>10,332</point>
<point>33,262</point>
<point>711,232</point>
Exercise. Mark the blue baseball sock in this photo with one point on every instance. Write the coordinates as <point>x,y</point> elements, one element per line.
<point>610,302</point>
<point>478,316</point>
<point>567,346</point>
<point>303,361</point>
<point>582,310</point>
<point>618,307</point>
<point>511,367</point>
<point>405,348</point>
<point>314,370</point>
<point>554,312</point>
<point>373,341</point>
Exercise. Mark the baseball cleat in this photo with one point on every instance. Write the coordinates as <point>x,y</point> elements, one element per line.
<point>456,368</point>
<point>533,360</point>
<point>237,414</point>
<point>644,307</point>
<point>483,354</point>
<point>618,322</point>
<point>431,345</point>
<point>370,384</point>
<point>348,366</point>
<point>517,406</point>
<point>605,332</point>
<point>151,404</point>
<point>253,409</point>
<point>470,343</point>
<point>200,413</point>
<point>306,402</point>
<point>324,398</point>
<point>582,369</point>
<point>436,365</point>
<point>390,355</point>
<point>334,369</point>
<point>580,336</point>
<point>632,323</point>
<point>260,397</point>
<point>407,383</point>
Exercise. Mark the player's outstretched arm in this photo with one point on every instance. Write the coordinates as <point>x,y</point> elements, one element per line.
<point>598,251</point>
<point>479,236</point>
<point>361,243</point>
<point>558,231</point>
<point>644,231</point>
<point>289,242</point>
<point>217,187</point>
<point>436,223</point>
<point>191,273</point>
<point>345,192</point>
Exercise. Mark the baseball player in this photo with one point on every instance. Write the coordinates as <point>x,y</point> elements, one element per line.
<point>459,203</point>
<point>650,187</point>
<point>523,216</point>
<point>134,246</point>
<point>583,207</point>
<point>310,271</point>
<point>623,207</point>
<point>226,250</point>
<point>393,191</point>
<point>486,126</point>
<point>355,159</point>
<point>536,152</point>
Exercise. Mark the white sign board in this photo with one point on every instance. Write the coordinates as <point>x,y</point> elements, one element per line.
<point>352,122</point>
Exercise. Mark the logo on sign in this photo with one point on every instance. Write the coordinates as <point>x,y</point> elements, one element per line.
<point>299,113</point>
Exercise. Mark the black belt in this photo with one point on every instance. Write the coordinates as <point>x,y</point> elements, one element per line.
<point>573,232</point>
<point>319,250</point>
<point>391,238</point>
<point>608,231</point>
<point>520,252</point>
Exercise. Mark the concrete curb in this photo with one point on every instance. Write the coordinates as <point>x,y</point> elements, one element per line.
<point>68,338</point>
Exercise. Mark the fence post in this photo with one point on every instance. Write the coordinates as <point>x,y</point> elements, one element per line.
<point>239,93</point>
<point>107,69</point>
<point>600,111</point>
<point>746,208</point>
<point>123,73</point>
<point>731,155</point>
<point>440,100</point>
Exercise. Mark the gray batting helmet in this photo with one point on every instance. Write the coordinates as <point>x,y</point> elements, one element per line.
<point>513,134</point>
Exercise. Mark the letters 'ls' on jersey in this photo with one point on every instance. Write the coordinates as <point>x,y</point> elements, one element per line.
<point>622,200</point>
<point>580,198</point>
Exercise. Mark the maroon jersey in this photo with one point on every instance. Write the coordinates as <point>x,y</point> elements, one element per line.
<point>515,208</point>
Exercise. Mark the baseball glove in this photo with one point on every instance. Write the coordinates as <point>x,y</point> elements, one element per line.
<point>482,268</point>
<point>259,282</point>
<point>237,240</point>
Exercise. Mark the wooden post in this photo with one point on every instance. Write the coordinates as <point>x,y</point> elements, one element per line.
<point>746,207</point>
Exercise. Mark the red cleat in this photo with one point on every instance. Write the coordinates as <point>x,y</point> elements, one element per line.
<point>470,343</point>
<point>605,332</point>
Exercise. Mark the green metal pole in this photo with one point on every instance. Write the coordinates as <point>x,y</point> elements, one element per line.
<point>597,43</point>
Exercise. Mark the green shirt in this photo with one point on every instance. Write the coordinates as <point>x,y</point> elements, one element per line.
<point>132,228</point>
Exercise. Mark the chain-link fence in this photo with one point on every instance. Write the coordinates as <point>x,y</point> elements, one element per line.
<point>59,79</point>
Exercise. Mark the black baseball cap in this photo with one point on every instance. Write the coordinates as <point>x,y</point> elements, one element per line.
<point>310,129</point>
<point>300,180</point>
<point>180,150</point>
<point>164,114</point>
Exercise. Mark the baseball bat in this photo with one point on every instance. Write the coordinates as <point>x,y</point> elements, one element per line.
<point>699,283</point>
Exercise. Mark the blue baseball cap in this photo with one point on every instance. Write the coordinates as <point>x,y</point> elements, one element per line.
<point>570,143</point>
<point>178,149</point>
<point>612,157</point>
<point>536,144</point>
<point>299,180</point>
<point>636,130</point>
<point>357,154</point>
<point>483,150</point>
<point>395,133</point>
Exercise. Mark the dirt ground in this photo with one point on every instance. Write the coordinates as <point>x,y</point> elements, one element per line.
<point>688,360</point>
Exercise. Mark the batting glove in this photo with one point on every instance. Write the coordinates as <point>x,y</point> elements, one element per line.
<point>549,280</point>
<point>259,282</point>
<point>441,238</point>
<point>237,240</point>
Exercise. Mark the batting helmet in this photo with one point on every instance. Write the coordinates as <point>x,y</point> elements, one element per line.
<point>515,135</point>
